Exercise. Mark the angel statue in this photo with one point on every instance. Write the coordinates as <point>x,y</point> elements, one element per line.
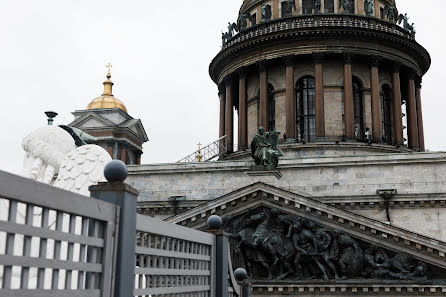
<point>346,4</point>
<point>389,11</point>
<point>225,37</point>
<point>264,150</point>
<point>51,150</point>
<point>369,7</point>
<point>408,27</point>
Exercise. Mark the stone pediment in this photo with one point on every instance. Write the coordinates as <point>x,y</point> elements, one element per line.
<point>257,200</point>
<point>91,120</point>
<point>136,126</point>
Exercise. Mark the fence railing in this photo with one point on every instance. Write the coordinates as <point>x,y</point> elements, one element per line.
<point>53,242</point>
<point>208,153</point>
<point>173,260</point>
<point>58,243</point>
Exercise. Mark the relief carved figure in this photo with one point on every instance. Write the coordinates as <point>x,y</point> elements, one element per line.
<point>278,246</point>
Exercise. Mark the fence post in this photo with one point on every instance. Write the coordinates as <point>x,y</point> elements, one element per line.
<point>221,256</point>
<point>119,193</point>
<point>241,276</point>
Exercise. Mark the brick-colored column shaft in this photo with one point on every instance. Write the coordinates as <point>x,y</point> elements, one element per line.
<point>222,114</point>
<point>229,119</point>
<point>412,125</point>
<point>264,99</point>
<point>110,150</point>
<point>397,112</point>
<point>243,114</point>
<point>420,118</point>
<point>290,102</point>
<point>319,100</point>
<point>349,111</point>
<point>377,133</point>
<point>124,155</point>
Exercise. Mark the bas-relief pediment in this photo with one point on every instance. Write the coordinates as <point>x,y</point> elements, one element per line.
<point>371,250</point>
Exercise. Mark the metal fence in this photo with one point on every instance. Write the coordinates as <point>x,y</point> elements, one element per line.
<point>53,242</point>
<point>58,243</point>
<point>172,260</point>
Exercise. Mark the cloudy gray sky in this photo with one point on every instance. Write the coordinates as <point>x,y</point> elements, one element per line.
<point>53,53</point>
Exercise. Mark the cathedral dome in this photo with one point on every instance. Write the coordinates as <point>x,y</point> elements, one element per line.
<point>107,100</point>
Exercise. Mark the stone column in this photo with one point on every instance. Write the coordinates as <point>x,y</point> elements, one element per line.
<point>397,113</point>
<point>377,133</point>
<point>319,95</point>
<point>110,148</point>
<point>138,158</point>
<point>221,95</point>
<point>419,115</point>
<point>263,95</point>
<point>412,122</point>
<point>275,9</point>
<point>229,118</point>
<point>123,154</point>
<point>349,110</point>
<point>243,111</point>
<point>290,94</point>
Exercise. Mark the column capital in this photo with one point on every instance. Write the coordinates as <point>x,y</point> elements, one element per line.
<point>396,67</point>
<point>411,75</point>
<point>375,61</point>
<point>347,58</point>
<point>110,142</point>
<point>221,88</point>
<point>289,60</point>
<point>318,58</point>
<point>263,65</point>
<point>228,80</point>
<point>242,73</point>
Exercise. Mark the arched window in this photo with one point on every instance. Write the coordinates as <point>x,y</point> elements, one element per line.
<point>305,109</point>
<point>329,6</point>
<point>358,108</point>
<point>386,112</point>
<point>272,109</point>
<point>307,6</point>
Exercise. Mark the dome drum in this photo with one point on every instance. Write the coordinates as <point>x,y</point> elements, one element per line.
<point>357,77</point>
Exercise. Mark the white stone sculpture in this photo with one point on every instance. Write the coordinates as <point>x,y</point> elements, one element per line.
<point>45,149</point>
<point>82,168</point>
<point>51,150</point>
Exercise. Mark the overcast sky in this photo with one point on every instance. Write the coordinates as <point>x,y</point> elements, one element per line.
<point>53,53</point>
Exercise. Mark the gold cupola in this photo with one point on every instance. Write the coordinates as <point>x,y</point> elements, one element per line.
<point>107,100</point>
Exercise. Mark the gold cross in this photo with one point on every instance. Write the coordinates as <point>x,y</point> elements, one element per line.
<point>199,146</point>
<point>109,66</point>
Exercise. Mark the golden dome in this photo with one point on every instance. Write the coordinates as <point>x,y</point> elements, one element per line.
<point>107,100</point>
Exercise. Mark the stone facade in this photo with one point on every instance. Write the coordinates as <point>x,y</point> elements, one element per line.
<point>349,182</point>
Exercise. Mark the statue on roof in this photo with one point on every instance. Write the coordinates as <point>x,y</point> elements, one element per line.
<point>242,23</point>
<point>369,7</point>
<point>293,4</point>
<point>228,35</point>
<point>389,12</point>
<point>317,6</point>
<point>406,26</point>
<point>264,150</point>
<point>347,5</point>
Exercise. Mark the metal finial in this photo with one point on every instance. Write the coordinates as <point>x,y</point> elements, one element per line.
<point>109,66</point>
